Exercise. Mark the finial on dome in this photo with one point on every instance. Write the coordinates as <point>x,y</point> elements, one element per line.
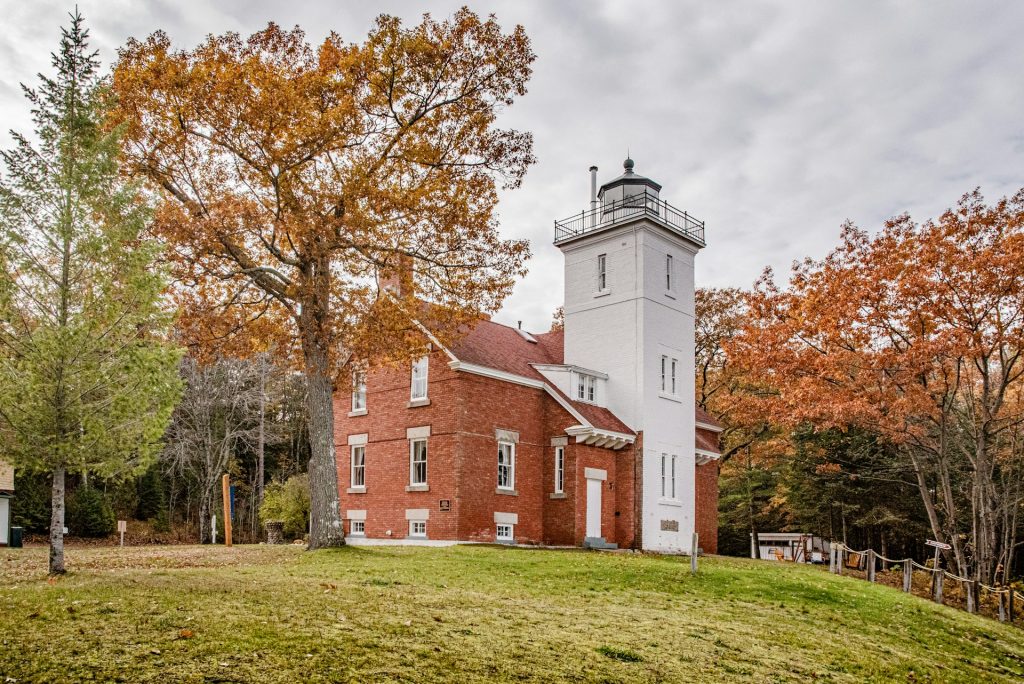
<point>628,165</point>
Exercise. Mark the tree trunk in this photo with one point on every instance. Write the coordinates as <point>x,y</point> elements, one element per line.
<point>205,502</point>
<point>57,523</point>
<point>261,440</point>
<point>326,529</point>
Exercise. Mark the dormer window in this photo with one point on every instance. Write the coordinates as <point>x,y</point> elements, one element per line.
<point>602,272</point>
<point>586,387</point>
<point>419,378</point>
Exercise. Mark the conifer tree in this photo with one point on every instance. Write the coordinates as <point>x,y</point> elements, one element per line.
<point>87,380</point>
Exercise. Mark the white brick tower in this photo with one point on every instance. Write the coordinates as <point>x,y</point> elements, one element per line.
<point>629,315</point>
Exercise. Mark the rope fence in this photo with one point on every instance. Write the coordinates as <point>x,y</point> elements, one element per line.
<point>974,592</point>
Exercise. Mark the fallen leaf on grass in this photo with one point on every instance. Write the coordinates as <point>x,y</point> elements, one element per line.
<point>186,634</point>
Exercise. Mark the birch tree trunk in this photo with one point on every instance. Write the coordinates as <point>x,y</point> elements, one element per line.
<point>57,523</point>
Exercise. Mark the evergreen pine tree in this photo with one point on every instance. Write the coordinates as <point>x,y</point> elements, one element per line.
<point>87,380</point>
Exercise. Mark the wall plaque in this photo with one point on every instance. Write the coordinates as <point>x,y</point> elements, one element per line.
<point>669,525</point>
<point>445,504</point>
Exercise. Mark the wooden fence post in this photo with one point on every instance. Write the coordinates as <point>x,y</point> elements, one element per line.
<point>693,554</point>
<point>937,577</point>
<point>226,492</point>
<point>908,575</point>
<point>871,565</point>
<point>1009,599</point>
<point>840,559</point>
<point>1002,609</point>
<point>832,559</point>
<point>972,595</point>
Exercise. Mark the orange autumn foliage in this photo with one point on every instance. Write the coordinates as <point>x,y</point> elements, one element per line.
<point>296,178</point>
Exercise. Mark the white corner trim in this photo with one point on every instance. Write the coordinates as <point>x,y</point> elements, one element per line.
<point>506,518</point>
<point>507,436</point>
<point>595,474</point>
<point>417,514</point>
<point>417,432</point>
<point>355,515</point>
<point>567,406</point>
<point>710,428</point>
<point>357,440</point>
<point>495,373</point>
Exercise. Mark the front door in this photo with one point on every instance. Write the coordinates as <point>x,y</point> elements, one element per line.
<point>593,508</point>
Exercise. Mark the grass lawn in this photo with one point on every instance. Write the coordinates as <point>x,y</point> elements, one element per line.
<point>472,613</point>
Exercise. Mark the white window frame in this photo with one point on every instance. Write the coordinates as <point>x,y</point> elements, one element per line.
<point>602,272</point>
<point>419,378</point>
<point>511,465</point>
<point>672,364</point>
<point>357,528</point>
<point>361,468</point>
<point>586,388</point>
<point>412,461</point>
<point>413,524</point>
<point>664,459</point>
<point>510,536</point>
<point>358,390</point>
<point>559,470</point>
<point>668,272</point>
<point>664,364</point>
<point>674,457</point>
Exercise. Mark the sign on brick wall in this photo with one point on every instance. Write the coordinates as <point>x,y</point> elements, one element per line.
<point>445,504</point>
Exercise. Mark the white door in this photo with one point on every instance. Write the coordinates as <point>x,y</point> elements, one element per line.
<point>5,520</point>
<point>594,508</point>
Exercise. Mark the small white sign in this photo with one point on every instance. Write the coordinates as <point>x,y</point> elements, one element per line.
<point>122,525</point>
<point>938,545</point>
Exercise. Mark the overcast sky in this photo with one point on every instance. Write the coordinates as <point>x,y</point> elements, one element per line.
<point>772,121</point>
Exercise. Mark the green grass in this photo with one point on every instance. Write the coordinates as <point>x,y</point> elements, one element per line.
<point>472,613</point>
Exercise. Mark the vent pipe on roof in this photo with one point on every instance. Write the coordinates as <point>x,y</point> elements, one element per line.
<point>520,325</point>
<point>593,188</point>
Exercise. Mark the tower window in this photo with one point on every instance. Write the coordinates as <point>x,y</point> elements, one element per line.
<point>602,272</point>
<point>586,387</point>
<point>673,377</point>
<point>668,271</point>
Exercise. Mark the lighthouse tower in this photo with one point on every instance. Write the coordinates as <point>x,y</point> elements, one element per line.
<point>629,316</point>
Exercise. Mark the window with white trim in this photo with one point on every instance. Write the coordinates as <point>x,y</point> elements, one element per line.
<point>668,272</point>
<point>586,387</point>
<point>358,390</point>
<point>357,527</point>
<point>602,272</point>
<point>668,376</point>
<point>418,462</point>
<point>672,376</point>
<point>504,533</point>
<point>664,459</point>
<point>420,369</point>
<point>358,478</point>
<point>418,528</point>
<point>672,478</point>
<point>506,465</point>
<point>559,470</point>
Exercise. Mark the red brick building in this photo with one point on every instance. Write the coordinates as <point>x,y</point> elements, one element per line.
<point>584,437</point>
<point>483,397</point>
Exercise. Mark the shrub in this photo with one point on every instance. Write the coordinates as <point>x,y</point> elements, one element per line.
<point>30,508</point>
<point>89,514</point>
<point>152,500</point>
<point>289,503</point>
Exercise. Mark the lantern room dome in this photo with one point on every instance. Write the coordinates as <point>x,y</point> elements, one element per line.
<point>629,184</point>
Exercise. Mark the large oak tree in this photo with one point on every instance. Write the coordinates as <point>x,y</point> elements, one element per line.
<point>295,178</point>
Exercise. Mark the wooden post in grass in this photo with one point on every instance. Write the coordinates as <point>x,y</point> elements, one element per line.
<point>693,554</point>
<point>908,575</point>
<point>840,560</point>
<point>972,596</point>
<point>1002,609</point>
<point>832,558</point>
<point>226,488</point>
<point>871,565</point>
<point>937,577</point>
<point>1009,605</point>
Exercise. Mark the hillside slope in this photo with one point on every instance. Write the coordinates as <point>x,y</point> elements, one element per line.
<point>473,614</point>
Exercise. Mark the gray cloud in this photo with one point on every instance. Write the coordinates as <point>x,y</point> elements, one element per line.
<point>772,121</point>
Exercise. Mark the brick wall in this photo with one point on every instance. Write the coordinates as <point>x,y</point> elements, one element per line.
<point>707,506</point>
<point>464,413</point>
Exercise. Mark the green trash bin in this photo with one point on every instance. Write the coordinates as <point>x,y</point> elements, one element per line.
<point>16,534</point>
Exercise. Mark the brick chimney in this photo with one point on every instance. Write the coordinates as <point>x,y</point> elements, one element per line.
<point>397,277</point>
